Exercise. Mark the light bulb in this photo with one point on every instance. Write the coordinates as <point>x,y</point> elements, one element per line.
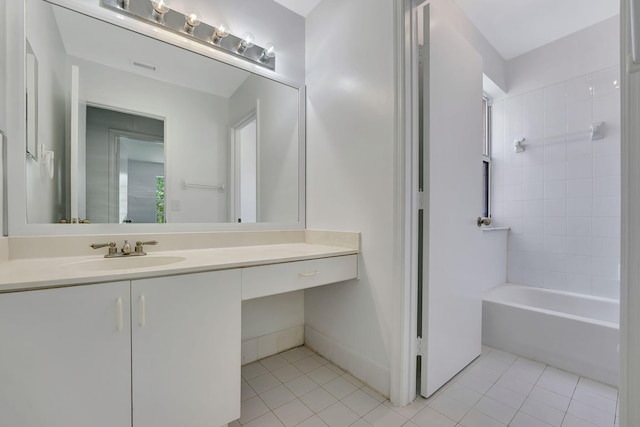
<point>160,6</point>
<point>220,32</point>
<point>193,19</point>
<point>245,42</point>
<point>268,52</point>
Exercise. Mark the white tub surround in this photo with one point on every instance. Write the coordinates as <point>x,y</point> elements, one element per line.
<point>578,333</point>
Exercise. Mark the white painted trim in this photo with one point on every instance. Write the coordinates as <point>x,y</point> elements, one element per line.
<point>630,234</point>
<point>75,130</point>
<point>403,355</point>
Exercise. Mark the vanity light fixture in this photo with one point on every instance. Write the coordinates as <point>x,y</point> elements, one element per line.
<point>246,41</point>
<point>191,21</point>
<point>219,33</point>
<point>191,26</point>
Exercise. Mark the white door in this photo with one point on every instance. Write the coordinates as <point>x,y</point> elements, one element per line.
<point>452,304</point>
<point>186,350</point>
<point>245,169</point>
<point>65,357</point>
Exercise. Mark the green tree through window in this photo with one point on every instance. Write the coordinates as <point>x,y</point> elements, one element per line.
<point>160,217</point>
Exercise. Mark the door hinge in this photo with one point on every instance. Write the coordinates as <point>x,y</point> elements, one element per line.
<point>422,200</point>
<point>421,54</point>
<point>419,346</point>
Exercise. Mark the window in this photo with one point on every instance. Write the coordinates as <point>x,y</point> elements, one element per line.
<point>486,156</point>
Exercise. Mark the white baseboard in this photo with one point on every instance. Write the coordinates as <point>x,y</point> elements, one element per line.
<point>375,376</point>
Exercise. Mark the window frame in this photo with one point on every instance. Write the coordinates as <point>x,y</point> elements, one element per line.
<point>486,154</point>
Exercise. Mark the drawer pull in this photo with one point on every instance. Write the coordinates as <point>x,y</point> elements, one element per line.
<point>309,274</point>
<point>119,304</point>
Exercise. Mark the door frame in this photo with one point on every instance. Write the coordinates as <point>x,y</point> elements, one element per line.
<point>234,158</point>
<point>404,348</point>
<point>114,166</point>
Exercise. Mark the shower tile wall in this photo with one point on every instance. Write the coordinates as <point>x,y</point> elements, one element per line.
<point>561,196</point>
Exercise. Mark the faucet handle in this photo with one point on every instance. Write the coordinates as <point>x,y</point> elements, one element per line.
<point>111,245</point>
<point>140,250</point>
<point>151,242</point>
<point>102,245</point>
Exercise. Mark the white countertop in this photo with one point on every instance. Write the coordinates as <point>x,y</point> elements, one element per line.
<point>38,273</point>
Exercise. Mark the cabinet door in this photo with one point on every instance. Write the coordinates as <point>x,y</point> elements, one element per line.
<point>65,357</point>
<point>186,350</point>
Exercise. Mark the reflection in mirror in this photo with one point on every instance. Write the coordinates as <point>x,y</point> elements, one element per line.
<point>225,141</point>
<point>244,166</point>
<point>125,154</point>
<point>31,83</point>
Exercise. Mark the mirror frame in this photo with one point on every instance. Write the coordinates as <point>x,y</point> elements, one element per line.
<point>16,211</point>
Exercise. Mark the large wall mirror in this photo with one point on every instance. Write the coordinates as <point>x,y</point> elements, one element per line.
<point>134,130</point>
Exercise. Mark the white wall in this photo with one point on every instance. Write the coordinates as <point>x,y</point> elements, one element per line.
<point>271,325</point>
<point>196,135</point>
<point>561,197</point>
<point>493,65</point>
<point>45,198</point>
<point>350,175</point>
<point>595,48</point>
<point>278,144</point>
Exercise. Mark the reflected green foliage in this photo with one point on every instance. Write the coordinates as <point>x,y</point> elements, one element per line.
<point>160,216</point>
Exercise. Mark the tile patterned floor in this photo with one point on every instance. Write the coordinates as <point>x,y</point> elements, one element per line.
<point>300,388</point>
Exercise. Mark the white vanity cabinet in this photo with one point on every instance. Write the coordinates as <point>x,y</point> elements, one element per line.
<point>81,356</point>
<point>65,357</point>
<point>186,350</point>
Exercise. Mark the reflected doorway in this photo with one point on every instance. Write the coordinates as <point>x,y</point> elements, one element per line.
<point>124,167</point>
<point>245,170</point>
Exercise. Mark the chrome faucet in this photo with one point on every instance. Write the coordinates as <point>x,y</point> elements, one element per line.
<point>126,248</point>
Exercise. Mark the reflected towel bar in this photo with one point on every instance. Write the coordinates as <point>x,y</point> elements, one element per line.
<point>186,185</point>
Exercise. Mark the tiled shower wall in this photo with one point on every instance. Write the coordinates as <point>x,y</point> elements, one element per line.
<point>561,196</point>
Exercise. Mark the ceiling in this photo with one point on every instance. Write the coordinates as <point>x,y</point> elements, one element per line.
<point>301,7</point>
<point>514,27</point>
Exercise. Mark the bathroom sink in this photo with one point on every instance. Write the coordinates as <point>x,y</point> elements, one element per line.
<point>124,263</point>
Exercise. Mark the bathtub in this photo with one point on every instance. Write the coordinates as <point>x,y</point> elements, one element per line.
<point>577,333</point>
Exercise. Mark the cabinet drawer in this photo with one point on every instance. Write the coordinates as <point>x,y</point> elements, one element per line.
<point>292,276</point>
